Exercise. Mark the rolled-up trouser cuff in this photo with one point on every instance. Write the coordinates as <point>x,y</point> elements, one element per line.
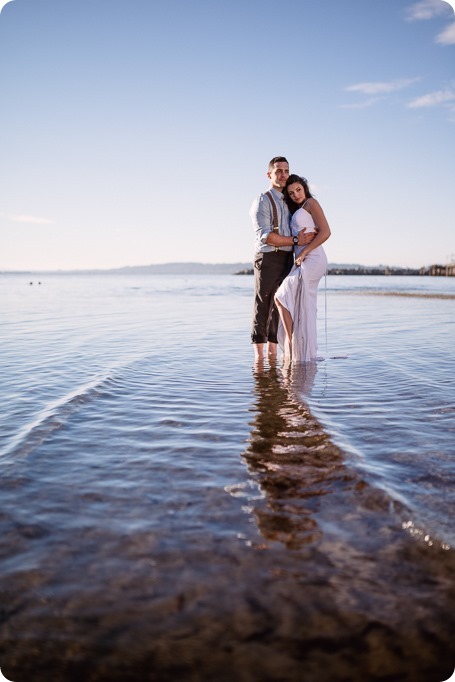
<point>272,339</point>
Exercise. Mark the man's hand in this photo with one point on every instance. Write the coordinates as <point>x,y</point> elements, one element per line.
<point>306,237</point>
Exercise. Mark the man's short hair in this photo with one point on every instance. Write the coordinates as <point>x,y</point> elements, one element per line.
<point>277,159</point>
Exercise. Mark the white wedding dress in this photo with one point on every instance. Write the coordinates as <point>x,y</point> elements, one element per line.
<point>298,293</point>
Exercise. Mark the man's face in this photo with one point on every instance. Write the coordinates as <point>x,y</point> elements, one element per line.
<point>279,174</point>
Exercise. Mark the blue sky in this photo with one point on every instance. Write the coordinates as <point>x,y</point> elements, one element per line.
<point>139,132</point>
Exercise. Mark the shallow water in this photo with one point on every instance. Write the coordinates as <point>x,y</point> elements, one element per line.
<point>168,511</point>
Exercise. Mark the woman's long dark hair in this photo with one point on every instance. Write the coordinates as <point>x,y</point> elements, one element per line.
<point>292,179</point>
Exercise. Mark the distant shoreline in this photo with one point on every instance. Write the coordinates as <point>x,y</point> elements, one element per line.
<point>241,269</point>
<point>432,271</point>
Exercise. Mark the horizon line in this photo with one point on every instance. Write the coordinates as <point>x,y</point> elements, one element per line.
<point>244,264</point>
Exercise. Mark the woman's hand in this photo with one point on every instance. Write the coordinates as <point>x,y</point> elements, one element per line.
<point>300,258</point>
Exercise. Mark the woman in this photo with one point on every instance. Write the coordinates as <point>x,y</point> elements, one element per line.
<point>296,298</point>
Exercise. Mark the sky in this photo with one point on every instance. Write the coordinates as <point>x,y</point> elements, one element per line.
<point>139,132</point>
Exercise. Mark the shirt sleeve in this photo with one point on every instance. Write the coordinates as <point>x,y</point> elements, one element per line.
<point>261,215</point>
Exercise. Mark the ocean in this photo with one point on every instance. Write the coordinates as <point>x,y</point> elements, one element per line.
<point>170,511</point>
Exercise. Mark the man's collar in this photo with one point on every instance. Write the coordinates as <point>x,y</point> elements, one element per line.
<point>276,192</point>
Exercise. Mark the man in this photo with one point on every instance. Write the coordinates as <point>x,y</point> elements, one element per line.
<point>273,259</point>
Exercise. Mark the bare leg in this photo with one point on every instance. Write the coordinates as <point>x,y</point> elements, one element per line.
<point>272,348</point>
<point>258,351</point>
<point>288,324</point>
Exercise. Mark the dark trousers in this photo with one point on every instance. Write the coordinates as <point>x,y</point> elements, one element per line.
<point>270,269</point>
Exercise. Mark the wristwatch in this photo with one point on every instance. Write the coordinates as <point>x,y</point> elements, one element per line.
<point>295,240</point>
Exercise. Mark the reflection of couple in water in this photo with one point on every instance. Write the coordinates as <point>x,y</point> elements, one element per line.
<point>287,219</point>
<point>287,454</point>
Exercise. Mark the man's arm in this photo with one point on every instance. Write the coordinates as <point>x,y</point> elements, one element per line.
<point>278,240</point>
<point>262,217</point>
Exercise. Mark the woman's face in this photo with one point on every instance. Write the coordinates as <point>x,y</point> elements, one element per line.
<point>296,192</point>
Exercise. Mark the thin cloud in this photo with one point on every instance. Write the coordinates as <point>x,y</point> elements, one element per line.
<point>25,218</point>
<point>427,9</point>
<point>433,99</point>
<point>447,36</point>
<point>381,88</point>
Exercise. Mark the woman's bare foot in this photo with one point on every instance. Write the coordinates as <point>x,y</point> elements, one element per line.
<point>287,350</point>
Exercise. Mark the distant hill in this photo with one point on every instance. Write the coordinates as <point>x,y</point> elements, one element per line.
<point>183,269</point>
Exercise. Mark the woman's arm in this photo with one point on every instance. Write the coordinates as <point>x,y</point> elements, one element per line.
<point>323,229</point>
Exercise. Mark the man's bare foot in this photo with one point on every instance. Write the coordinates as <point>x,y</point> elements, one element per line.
<point>258,351</point>
<point>272,349</point>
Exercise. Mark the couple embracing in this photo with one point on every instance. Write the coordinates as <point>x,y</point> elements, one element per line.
<point>288,265</point>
